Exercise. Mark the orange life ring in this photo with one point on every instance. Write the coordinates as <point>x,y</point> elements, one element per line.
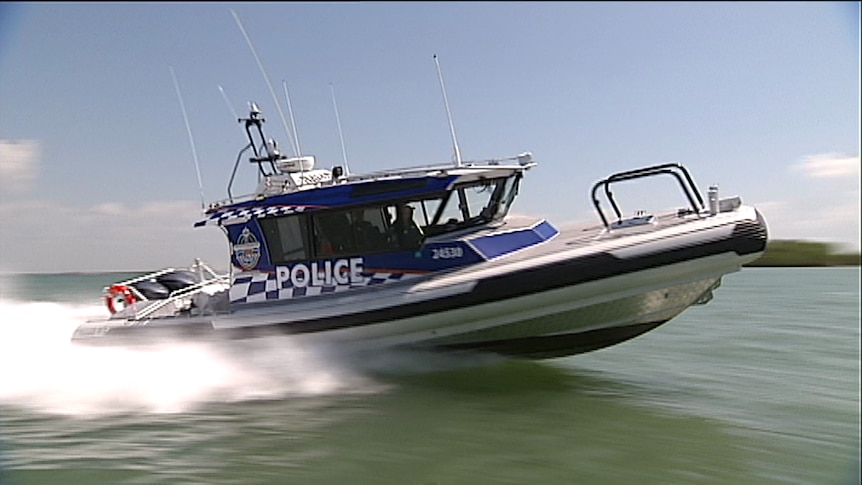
<point>117,294</point>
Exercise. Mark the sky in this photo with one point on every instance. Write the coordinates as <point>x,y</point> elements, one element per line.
<point>98,171</point>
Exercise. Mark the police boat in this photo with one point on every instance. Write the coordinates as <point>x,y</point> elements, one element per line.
<point>430,257</point>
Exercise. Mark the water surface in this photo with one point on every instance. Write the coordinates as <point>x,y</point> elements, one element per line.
<point>761,385</point>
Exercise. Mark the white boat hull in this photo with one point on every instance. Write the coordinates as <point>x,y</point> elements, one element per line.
<point>586,289</point>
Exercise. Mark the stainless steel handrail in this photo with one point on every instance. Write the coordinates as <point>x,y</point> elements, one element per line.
<point>685,180</point>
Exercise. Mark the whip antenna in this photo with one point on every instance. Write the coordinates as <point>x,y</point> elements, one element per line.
<point>292,121</point>
<point>266,78</point>
<point>191,138</point>
<point>227,102</point>
<point>448,113</point>
<point>340,134</point>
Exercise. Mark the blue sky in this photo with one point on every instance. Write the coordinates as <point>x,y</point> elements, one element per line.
<point>97,173</point>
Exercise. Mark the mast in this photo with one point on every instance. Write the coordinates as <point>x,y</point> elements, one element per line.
<point>340,134</point>
<point>292,121</point>
<point>227,102</point>
<point>268,84</point>
<point>448,114</point>
<point>191,138</point>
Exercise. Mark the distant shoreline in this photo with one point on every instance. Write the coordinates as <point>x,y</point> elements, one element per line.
<point>803,254</point>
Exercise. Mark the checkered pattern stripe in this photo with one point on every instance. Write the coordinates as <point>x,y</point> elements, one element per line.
<point>219,217</point>
<point>255,287</point>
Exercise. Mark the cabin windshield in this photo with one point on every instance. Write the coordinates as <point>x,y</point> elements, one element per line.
<point>386,226</point>
<point>470,204</point>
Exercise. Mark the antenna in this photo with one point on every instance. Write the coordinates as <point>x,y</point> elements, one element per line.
<point>292,121</point>
<point>340,134</point>
<point>227,102</point>
<point>191,139</point>
<point>448,114</point>
<point>265,78</point>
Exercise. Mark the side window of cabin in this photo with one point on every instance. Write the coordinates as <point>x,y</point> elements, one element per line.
<point>333,233</point>
<point>449,215</point>
<point>371,229</point>
<point>436,212</point>
<point>353,231</point>
<point>406,224</point>
<point>286,237</point>
<point>426,210</point>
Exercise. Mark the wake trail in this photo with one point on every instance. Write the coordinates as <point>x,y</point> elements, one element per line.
<point>41,369</point>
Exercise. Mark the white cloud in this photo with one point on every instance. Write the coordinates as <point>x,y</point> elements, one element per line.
<point>109,209</point>
<point>836,222</point>
<point>19,160</point>
<point>830,165</point>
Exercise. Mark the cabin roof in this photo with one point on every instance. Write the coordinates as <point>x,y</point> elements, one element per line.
<point>406,184</point>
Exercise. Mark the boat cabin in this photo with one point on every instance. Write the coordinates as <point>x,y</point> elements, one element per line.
<point>308,231</point>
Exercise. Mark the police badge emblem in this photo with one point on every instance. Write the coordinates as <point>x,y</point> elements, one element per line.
<point>246,250</point>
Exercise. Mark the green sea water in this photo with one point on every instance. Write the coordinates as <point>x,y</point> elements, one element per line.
<point>759,386</point>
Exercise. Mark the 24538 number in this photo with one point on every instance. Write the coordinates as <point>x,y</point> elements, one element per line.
<point>447,252</point>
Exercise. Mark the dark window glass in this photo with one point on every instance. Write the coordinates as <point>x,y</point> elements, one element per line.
<point>363,230</point>
<point>333,233</point>
<point>286,237</point>
<point>388,226</point>
<point>472,203</point>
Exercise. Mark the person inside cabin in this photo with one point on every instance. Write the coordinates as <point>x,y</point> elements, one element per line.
<point>333,233</point>
<point>368,237</point>
<point>409,233</point>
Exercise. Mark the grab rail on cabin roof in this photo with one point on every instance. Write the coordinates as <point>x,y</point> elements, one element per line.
<point>685,181</point>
